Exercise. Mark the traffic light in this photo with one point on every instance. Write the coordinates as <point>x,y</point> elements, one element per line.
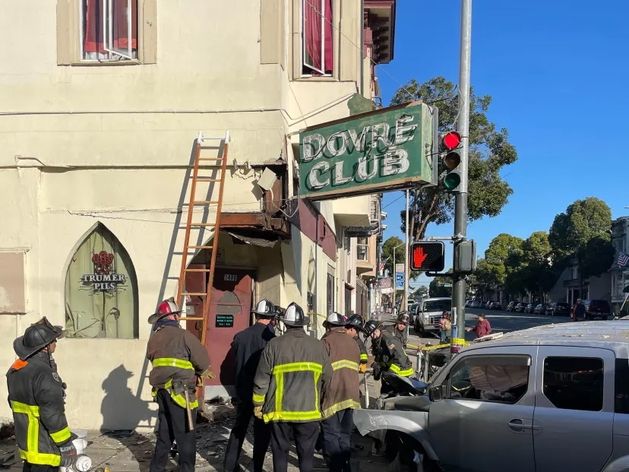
<point>451,157</point>
<point>427,256</point>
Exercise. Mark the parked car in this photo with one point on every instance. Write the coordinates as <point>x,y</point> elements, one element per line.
<point>539,309</point>
<point>511,306</point>
<point>514,402</point>
<point>529,308</point>
<point>597,309</point>
<point>519,307</point>
<point>559,308</point>
<point>495,306</point>
<point>429,313</point>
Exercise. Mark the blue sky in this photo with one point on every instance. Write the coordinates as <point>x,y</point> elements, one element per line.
<point>558,72</point>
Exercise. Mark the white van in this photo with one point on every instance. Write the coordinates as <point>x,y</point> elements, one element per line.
<point>429,313</point>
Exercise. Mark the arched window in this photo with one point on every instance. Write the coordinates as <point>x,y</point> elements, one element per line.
<point>101,290</point>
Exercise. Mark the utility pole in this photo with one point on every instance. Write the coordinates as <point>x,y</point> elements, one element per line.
<point>406,265</point>
<point>460,202</point>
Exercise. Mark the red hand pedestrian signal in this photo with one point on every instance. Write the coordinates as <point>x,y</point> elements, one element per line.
<point>427,256</point>
<point>419,256</point>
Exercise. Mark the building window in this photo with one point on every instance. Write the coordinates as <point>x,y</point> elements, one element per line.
<point>574,383</point>
<point>501,379</point>
<point>109,30</point>
<point>93,32</point>
<point>101,290</point>
<point>317,47</point>
<point>330,293</point>
<point>362,249</point>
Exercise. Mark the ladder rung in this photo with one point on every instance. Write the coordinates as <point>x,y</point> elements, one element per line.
<point>210,158</point>
<point>203,202</point>
<point>207,179</point>
<point>195,294</point>
<point>197,246</point>
<point>192,318</point>
<point>201,225</point>
<point>197,270</point>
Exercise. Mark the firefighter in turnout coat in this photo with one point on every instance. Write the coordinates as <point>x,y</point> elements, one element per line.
<point>178,360</point>
<point>354,327</point>
<point>36,397</point>
<point>342,396</point>
<point>293,373</point>
<point>389,354</point>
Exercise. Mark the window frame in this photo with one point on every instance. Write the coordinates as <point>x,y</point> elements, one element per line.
<point>524,358</point>
<point>553,402</point>
<point>70,35</point>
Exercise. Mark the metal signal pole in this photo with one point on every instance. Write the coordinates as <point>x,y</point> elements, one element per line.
<point>460,202</point>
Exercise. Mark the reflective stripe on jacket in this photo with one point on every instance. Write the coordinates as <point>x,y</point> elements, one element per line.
<point>343,390</point>
<point>177,357</point>
<point>363,350</point>
<point>36,400</point>
<point>390,354</point>
<point>293,371</point>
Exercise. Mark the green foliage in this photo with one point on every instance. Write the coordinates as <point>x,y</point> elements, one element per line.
<point>440,287</point>
<point>387,253</point>
<point>584,231</point>
<point>490,150</point>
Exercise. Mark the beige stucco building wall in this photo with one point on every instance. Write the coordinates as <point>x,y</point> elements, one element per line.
<point>111,144</point>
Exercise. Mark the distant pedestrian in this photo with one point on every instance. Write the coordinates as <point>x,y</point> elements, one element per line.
<point>247,348</point>
<point>445,327</point>
<point>578,310</point>
<point>482,327</point>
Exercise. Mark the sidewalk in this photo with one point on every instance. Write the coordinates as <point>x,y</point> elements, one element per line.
<point>131,451</point>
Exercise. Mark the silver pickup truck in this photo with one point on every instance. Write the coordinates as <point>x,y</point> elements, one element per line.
<point>551,398</point>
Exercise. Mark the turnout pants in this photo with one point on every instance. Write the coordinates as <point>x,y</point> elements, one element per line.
<point>305,435</point>
<point>172,426</point>
<point>39,468</point>
<point>337,434</point>
<point>261,439</point>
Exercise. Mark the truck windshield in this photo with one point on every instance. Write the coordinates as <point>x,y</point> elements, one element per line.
<point>438,305</point>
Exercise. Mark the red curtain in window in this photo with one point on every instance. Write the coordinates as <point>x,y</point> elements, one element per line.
<point>312,34</point>
<point>94,39</point>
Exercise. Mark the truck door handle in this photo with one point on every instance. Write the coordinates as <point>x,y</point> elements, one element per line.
<point>518,425</point>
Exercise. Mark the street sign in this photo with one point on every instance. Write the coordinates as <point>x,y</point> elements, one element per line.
<point>382,150</point>
<point>399,280</point>
<point>427,256</point>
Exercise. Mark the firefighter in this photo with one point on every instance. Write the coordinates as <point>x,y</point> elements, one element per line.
<point>36,397</point>
<point>400,329</point>
<point>342,395</point>
<point>178,360</point>
<point>293,373</point>
<point>388,352</point>
<point>354,327</point>
<point>247,348</point>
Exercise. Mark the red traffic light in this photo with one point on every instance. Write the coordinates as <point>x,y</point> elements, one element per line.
<point>427,256</point>
<point>451,140</point>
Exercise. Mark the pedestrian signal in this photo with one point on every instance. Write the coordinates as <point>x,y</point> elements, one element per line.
<point>427,256</point>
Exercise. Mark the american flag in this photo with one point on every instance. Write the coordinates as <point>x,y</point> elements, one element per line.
<point>623,259</point>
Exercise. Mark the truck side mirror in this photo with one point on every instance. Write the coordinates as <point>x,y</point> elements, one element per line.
<point>435,393</point>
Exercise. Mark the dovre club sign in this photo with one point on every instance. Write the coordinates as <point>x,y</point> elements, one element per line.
<point>103,279</point>
<point>366,153</point>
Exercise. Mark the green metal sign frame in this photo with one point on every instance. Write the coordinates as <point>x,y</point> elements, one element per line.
<point>381,150</point>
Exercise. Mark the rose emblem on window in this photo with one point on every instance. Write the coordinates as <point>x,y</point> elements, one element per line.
<point>102,262</point>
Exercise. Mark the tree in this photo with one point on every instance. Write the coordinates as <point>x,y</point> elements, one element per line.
<point>387,253</point>
<point>440,286</point>
<point>503,256</point>
<point>583,231</point>
<point>537,275</point>
<point>490,150</point>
